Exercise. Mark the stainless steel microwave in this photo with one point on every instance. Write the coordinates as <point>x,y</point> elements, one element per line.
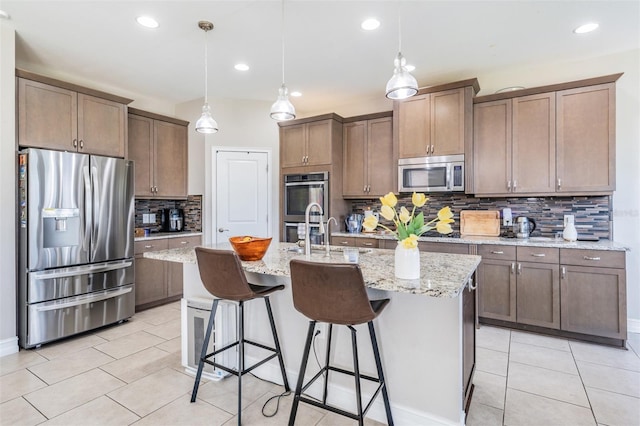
<point>431,174</point>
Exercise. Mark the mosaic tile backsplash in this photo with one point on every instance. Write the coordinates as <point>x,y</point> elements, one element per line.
<point>192,208</point>
<point>593,214</point>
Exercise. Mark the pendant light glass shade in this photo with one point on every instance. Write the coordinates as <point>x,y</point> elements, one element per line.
<point>282,109</point>
<point>206,123</point>
<point>402,85</point>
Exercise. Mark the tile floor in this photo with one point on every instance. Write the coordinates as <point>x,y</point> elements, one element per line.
<point>131,374</point>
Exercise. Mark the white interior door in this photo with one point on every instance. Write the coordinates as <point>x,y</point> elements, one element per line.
<point>242,194</point>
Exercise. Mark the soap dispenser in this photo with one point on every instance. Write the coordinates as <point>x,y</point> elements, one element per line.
<point>569,233</point>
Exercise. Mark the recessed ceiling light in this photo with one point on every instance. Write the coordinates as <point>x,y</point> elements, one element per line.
<point>370,24</point>
<point>241,67</point>
<point>586,28</point>
<point>147,21</point>
<point>296,94</point>
<point>4,15</point>
<point>410,67</point>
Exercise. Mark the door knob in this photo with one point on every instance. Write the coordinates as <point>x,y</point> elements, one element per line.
<point>222,229</point>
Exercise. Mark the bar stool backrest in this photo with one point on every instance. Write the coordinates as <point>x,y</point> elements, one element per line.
<point>222,274</point>
<point>333,293</point>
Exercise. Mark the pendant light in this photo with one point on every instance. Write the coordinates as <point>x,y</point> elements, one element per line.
<point>206,123</point>
<point>402,85</point>
<point>282,109</point>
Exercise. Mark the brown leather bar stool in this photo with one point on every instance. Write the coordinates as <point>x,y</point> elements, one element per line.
<point>222,275</point>
<point>336,294</point>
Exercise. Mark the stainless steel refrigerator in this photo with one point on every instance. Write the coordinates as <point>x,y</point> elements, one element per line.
<point>76,222</point>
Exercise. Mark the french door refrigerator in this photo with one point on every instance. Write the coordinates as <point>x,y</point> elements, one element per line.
<point>76,220</point>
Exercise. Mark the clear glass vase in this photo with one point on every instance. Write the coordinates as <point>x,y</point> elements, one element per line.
<point>407,262</point>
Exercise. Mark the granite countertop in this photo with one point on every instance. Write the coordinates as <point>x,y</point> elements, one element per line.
<point>530,242</point>
<point>161,235</point>
<point>442,275</point>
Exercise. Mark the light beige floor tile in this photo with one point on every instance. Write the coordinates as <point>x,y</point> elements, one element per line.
<point>494,338</point>
<point>129,344</point>
<point>483,415</point>
<point>68,346</point>
<point>153,391</point>
<point>491,361</point>
<point>182,412</point>
<point>158,315</point>
<point>19,412</point>
<point>74,392</point>
<point>557,343</point>
<point>100,411</point>
<point>224,393</point>
<point>139,364</point>
<point>18,383</point>
<point>70,365</point>
<point>543,357</point>
<point>605,355</point>
<point>173,305</point>
<point>173,345</point>
<point>332,419</point>
<point>525,409</point>
<point>551,384</point>
<point>614,409</point>
<point>116,331</point>
<point>168,330</point>
<point>252,415</point>
<point>22,359</point>
<point>634,342</point>
<point>489,389</point>
<point>610,379</point>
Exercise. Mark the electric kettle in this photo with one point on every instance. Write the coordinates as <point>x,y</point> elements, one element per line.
<point>353,223</point>
<point>523,226</point>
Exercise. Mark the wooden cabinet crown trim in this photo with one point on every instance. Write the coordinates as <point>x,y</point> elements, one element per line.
<point>612,78</point>
<point>371,116</point>
<point>473,82</point>
<point>153,115</point>
<point>331,116</point>
<point>70,86</point>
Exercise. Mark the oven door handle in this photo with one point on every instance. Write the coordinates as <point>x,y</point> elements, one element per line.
<point>83,300</point>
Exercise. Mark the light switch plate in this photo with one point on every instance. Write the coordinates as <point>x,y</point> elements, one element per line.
<point>152,218</point>
<point>569,218</point>
<point>507,218</point>
<point>145,218</point>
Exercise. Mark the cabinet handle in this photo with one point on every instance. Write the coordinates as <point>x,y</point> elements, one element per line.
<point>515,185</point>
<point>509,185</point>
<point>344,243</point>
<point>513,267</point>
<point>148,247</point>
<point>471,286</point>
<point>368,188</point>
<point>497,252</point>
<point>563,272</point>
<point>364,189</point>
<point>367,244</point>
<point>519,268</point>
<point>559,183</point>
<point>433,149</point>
<point>75,143</point>
<point>184,242</point>
<point>537,254</point>
<point>591,258</point>
<point>81,144</point>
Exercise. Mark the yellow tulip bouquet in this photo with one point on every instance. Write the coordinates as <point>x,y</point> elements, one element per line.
<point>410,226</point>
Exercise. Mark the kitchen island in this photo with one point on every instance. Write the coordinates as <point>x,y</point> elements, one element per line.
<point>426,334</point>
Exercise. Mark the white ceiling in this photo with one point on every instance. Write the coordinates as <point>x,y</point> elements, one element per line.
<point>328,57</point>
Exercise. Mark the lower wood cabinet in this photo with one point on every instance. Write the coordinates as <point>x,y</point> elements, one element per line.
<point>355,242</point>
<point>468,341</point>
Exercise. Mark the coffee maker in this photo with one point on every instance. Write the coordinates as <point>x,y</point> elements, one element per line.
<point>172,220</point>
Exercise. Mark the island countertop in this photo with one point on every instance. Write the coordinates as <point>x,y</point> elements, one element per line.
<point>441,275</point>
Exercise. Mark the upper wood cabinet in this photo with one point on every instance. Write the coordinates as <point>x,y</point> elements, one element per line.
<point>158,145</point>
<point>437,121</point>
<point>62,116</point>
<point>368,157</point>
<point>306,144</point>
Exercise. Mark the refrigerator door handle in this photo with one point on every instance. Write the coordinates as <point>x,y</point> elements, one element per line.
<point>83,270</point>
<point>82,300</point>
<point>88,209</point>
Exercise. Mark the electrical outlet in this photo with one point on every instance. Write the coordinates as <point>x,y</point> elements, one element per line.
<point>152,218</point>
<point>568,218</point>
<point>323,329</point>
<point>145,218</point>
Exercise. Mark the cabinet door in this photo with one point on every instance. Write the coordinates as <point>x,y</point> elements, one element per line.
<point>140,150</point>
<point>366,242</point>
<point>534,144</point>
<point>101,126</point>
<point>292,145</point>
<point>47,116</point>
<point>381,170</point>
<point>343,241</point>
<point>318,142</point>
<point>447,122</point>
<point>468,341</point>
<point>538,294</point>
<point>413,134</point>
<point>492,147</point>
<point>170,165</point>
<point>497,289</point>
<point>151,280</point>
<point>355,161</point>
<point>593,301</point>
<point>586,139</point>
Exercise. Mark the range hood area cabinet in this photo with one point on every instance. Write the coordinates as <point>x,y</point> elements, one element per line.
<point>368,156</point>
<point>437,121</point>
<point>158,145</point>
<point>552,140</point>
<point>54,114</point>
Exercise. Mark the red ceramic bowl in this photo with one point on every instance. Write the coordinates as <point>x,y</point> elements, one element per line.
<point>250,248</point>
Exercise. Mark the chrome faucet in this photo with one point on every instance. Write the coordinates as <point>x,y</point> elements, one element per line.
<point>307,240</point>
<point>328,234</point>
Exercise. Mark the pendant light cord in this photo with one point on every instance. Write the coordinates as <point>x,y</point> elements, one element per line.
<point>399,27</point>
<point>206,70</point>
<point>282,34</point>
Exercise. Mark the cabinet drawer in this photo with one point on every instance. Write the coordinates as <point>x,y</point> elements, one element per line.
<point>150,245</point>
<point>185,242</point>
<point>490,251</point>
<point>538,254</point>
<point>599,258</point>
<point>454,248</point>
<point>366,242</point>
<point>343,241</point>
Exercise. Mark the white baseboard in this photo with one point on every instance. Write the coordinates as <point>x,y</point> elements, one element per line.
<point>9,346</point>
<point>633,325</point>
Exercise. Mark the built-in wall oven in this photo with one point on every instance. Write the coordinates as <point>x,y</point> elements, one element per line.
<point>300,190</point>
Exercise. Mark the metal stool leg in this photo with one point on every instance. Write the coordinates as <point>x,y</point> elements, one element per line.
<point>376,354</point>
<point>326,365</point>
<point>277,344</point>
<point>356,373</point>
<point>303,368</point>
<point>240,357</point>
<point>203,354</point>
